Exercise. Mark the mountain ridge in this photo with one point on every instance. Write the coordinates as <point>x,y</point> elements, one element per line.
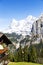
<point>21,27</point>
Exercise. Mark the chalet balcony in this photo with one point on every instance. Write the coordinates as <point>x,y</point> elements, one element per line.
<point>3,50</point>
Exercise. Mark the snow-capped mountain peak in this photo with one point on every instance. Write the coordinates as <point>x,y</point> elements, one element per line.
<point>22,26</point>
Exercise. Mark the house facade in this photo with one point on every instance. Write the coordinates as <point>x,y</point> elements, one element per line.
<point>3,49</point>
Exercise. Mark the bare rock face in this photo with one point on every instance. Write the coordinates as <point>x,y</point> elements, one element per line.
<point>37,27</point>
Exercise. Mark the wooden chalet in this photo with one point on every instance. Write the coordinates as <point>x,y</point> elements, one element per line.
<point>4,39</point>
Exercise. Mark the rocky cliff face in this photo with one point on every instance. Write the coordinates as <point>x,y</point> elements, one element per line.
<point>37,29</point>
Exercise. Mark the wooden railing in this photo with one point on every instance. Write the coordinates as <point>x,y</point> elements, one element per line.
<point>3,51</point>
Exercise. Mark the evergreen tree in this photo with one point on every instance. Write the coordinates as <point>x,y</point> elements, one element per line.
<point>33,54</point>
<point>26,53</point>
<point>11,56</point>
<point>41,54</point>
<point>20,54</point>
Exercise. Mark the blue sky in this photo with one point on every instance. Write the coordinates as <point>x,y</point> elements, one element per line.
<point>18,9</point>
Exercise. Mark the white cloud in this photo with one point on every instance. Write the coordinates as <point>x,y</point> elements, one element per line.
<point>21,26</point>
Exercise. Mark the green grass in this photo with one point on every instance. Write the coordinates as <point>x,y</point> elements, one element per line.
<point>23,63</point>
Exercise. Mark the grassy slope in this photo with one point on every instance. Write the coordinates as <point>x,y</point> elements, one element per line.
<point>23,63</point>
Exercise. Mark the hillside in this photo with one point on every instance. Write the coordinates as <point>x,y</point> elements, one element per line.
<point>13,37</point>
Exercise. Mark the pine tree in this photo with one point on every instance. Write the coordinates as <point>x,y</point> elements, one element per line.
<point>26,53</point>
<point>41,54</point>
<point>20,54</point>
<point>33,54</point>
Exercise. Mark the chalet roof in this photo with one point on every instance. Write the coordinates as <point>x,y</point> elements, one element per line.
<point>1,34</point>
<point>4,38</point>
